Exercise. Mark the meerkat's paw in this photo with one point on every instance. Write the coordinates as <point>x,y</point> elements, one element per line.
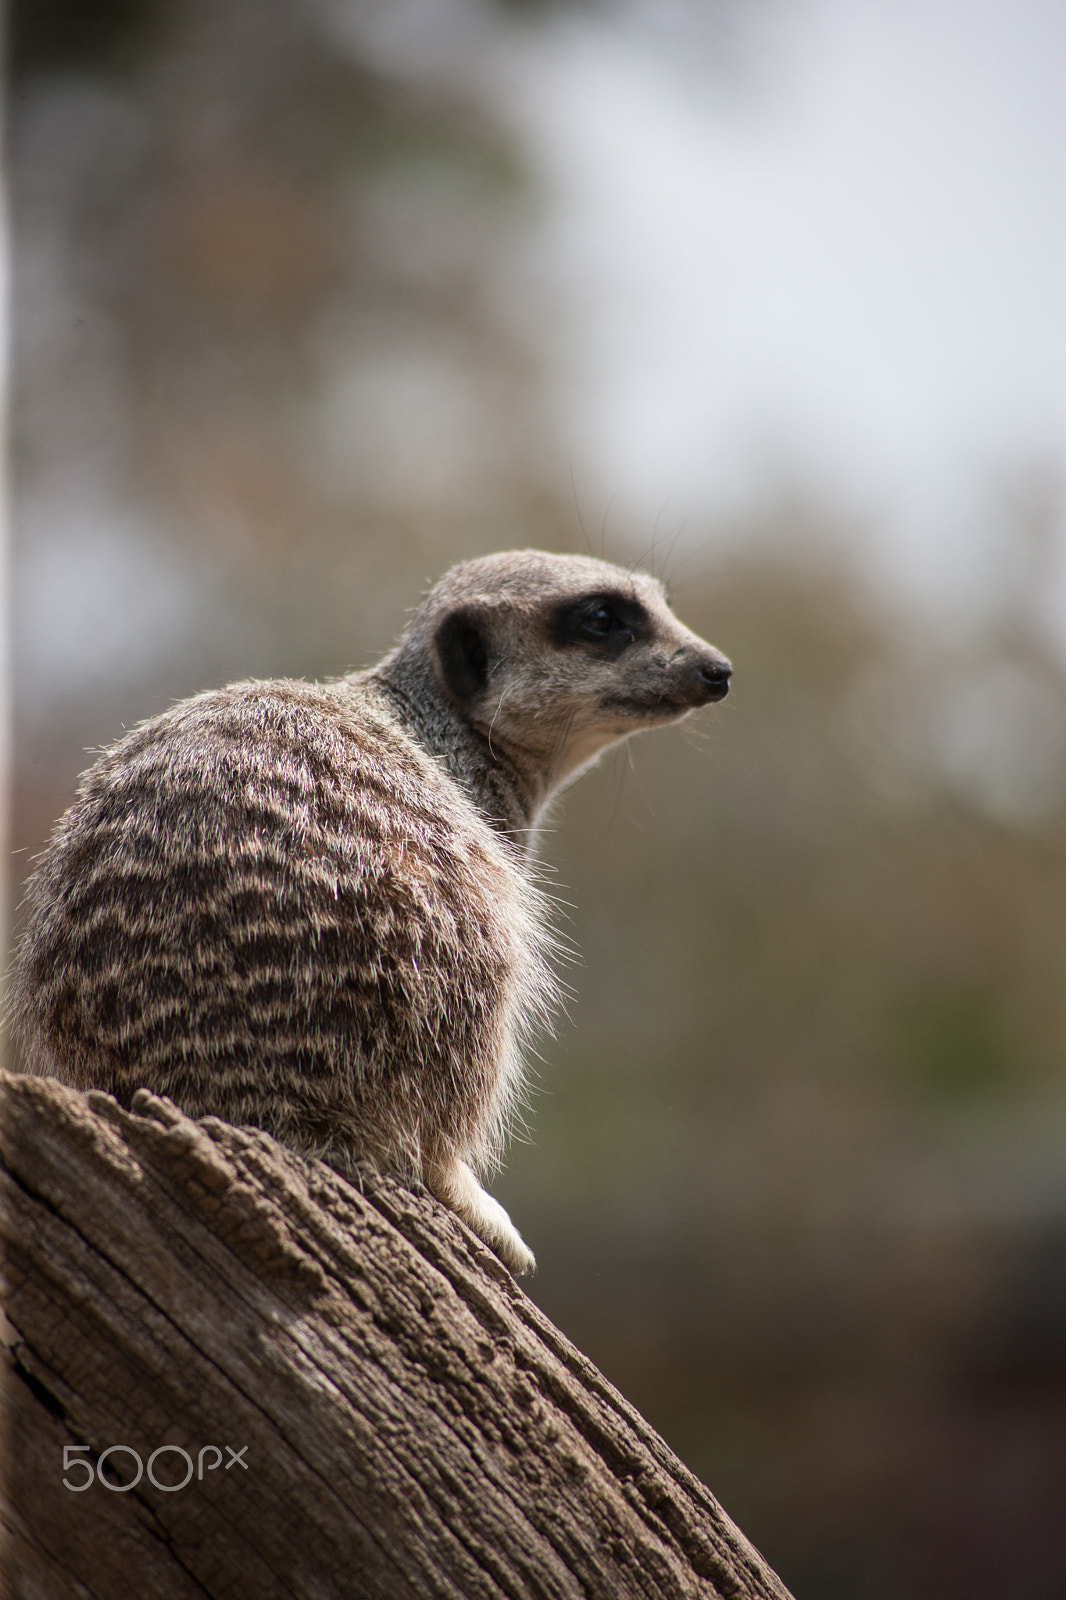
<point>460,1191</point>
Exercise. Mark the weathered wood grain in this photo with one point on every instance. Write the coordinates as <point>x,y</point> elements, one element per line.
<point>411,1424</point>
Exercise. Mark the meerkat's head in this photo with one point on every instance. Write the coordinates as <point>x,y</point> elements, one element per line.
<point>553,658</point>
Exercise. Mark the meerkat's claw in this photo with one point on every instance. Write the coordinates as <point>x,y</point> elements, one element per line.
<point>458,1189</point>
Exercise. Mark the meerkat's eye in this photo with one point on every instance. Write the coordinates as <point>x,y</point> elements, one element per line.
<point>600,621</point>
<point>609,621</point>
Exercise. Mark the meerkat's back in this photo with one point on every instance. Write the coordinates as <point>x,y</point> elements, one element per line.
<point>254,883</point>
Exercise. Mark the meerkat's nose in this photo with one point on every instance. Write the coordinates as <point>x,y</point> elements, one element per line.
<point>715,672</point>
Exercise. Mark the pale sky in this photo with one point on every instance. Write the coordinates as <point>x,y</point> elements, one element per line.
<point>852,273</point>
<point>843,269</point>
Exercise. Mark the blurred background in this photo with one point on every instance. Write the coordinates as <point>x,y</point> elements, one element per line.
<point>313,298</point>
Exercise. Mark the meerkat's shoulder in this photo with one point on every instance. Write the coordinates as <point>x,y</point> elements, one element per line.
<point>266,711</point>
<point>339,748</point>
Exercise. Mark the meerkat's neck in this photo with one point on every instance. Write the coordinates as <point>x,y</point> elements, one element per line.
<point>508,796</point>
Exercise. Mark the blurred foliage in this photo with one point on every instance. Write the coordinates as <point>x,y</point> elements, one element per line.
<point>80,35</point>
<point>265,332</point>
<point>797,1178</point>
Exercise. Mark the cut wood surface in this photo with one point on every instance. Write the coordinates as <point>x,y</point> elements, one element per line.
<point>361,1399</point>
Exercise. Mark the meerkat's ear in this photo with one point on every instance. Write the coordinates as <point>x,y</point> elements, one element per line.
<point>462,642</point>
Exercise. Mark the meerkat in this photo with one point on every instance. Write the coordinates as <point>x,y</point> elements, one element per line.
<point>311,908</point>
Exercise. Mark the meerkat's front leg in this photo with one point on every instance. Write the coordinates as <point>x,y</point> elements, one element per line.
<point>457,1187</point>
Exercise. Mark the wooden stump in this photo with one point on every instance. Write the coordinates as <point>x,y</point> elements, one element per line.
<point>233,1373</point>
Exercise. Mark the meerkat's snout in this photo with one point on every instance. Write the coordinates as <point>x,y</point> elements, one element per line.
<point>701,676</point>
<point>715,671</point>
